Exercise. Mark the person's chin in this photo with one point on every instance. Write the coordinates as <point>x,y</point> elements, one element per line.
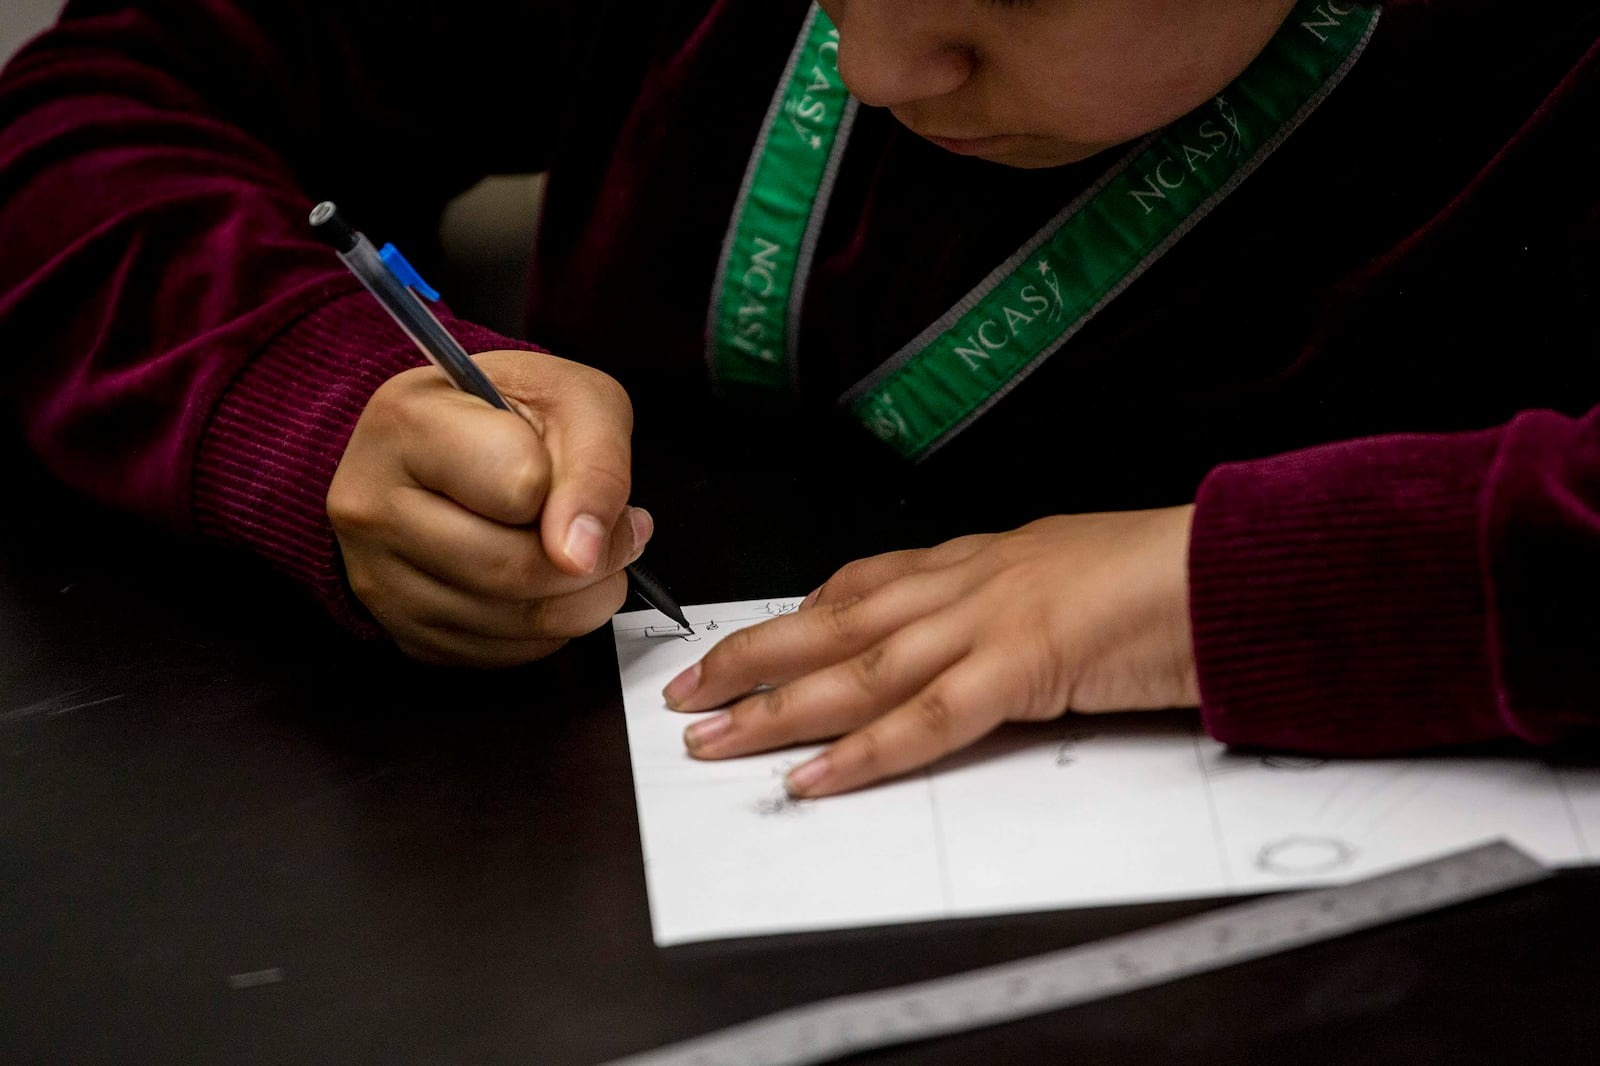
<point>1021,151</point>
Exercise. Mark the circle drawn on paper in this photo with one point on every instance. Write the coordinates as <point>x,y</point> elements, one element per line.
<point>1300,855</point>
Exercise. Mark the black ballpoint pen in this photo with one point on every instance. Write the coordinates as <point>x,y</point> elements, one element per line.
<point>397,286</point>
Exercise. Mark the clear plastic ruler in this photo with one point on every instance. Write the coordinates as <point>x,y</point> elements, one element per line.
<point>833,1028</point>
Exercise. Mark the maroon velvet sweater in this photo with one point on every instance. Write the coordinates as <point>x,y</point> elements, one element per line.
<point>1414,273</point>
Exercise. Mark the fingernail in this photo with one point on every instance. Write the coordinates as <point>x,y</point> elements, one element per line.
<point>643,527</point>
<point>809,600</point>
<point>703,733</point>
<point>805,775</point>
<point>585,537</point>
<point>682,686</point>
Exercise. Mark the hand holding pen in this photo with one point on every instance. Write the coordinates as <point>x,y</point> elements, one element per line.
<point>488,525</point>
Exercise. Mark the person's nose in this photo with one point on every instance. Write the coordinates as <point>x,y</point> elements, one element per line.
<point>893,53</point>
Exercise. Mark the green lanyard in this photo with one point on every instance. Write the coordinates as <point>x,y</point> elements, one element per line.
<point>1033,303</point>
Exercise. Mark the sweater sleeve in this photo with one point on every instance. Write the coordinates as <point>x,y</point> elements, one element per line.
<point>175,343</point>
<point>1399,593</point>
<point>1403,593</point>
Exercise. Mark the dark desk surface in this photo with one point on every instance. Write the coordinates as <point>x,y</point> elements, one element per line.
<point>198,779</point>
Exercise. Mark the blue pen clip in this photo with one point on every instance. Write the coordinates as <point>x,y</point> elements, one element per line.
<point>407,274</point>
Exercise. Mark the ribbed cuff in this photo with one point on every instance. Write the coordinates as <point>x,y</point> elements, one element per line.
<point>268,455</point>
<point>1338,599</point>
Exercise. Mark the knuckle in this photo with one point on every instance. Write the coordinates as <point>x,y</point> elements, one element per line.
<point>618,594</point>
<point>524,485</point>
<point>350,510</point>
<point>353,504</point>
<point>516,575</point>
<point>1029,581</point>
<point>1015,546</point>
<point>775,702</point>
<point>843,620</point>
<point>850,575</point>
<point>576,613</point>
<point>534,618</point>
<point>734,648</point>
<point>391,397</point>
<point>952,551</point>
<point>868,669</point>
<point>398,408</point>
<point>867,754</point>
<point>934,714</point>
<point>594,605</point>
<point>364,586</point>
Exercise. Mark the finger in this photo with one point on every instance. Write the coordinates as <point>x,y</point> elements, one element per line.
<point>785,648</point>
<point>425,602</point>
<point>588,422</point>
<point>551,618</point>
<point>489,461</point>
<point>479,556</point>
<point>628,539</point>
<point>961,705</point>
<point>441,643</point>
<point>864,575</point>
<point>445,647</point>
<point>835,700</point>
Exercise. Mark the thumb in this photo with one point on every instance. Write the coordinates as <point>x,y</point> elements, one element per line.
<point>588,423</point>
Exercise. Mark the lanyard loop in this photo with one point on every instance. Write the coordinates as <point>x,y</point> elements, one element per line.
<point>1034,302</point>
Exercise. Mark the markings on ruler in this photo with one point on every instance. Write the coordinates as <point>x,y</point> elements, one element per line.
<point>846,1025</point>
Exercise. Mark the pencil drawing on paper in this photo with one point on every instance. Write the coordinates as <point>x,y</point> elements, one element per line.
<point>1299,856</point>
<point>1067,748</point>
<point>1297,763</point>
<point>675,631</point>
<point>779,801</point>
<point>1229,762</point>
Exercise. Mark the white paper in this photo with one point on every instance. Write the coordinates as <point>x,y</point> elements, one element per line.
<point>1084,811</point>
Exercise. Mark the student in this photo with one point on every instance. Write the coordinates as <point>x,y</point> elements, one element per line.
<point>1381,234</point>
